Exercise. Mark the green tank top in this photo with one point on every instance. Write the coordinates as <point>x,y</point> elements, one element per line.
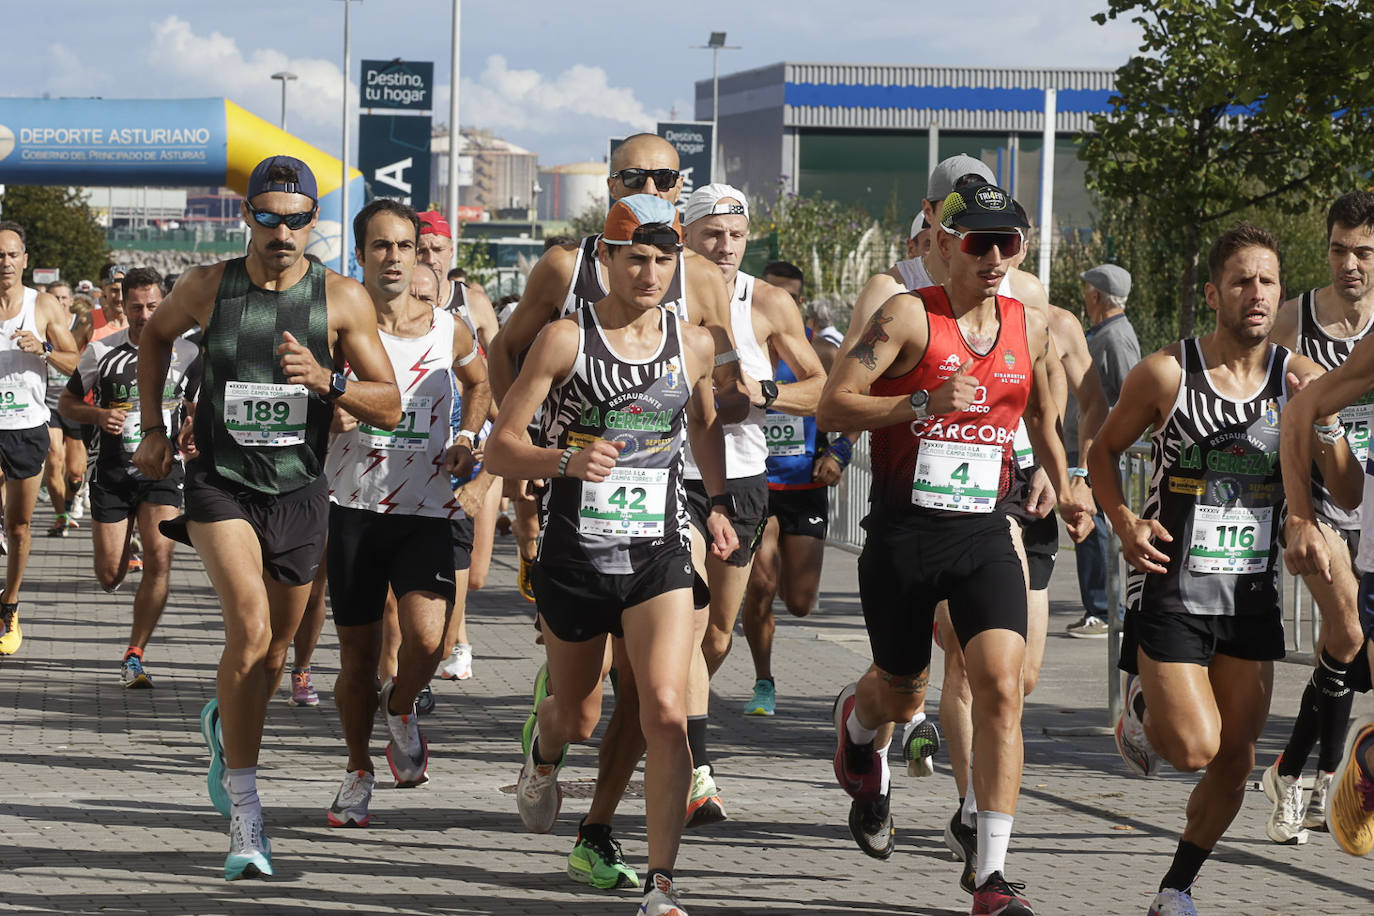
<point>250,426</point>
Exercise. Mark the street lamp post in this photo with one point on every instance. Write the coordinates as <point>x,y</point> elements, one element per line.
<point>716,44</point>
<point>285,78</point>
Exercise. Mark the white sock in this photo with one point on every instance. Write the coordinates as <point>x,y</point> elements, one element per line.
<point>857,733</point>
<point>968,814</point>
<point>243,787</point>
<point>887,772</point>
<point>994,834</point>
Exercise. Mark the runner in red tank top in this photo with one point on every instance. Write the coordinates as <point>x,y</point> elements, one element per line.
<point>941,377</point>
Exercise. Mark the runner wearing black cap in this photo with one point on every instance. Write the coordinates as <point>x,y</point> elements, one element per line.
<point>277,331</point>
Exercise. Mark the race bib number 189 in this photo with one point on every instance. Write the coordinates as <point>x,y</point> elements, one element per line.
<point>265,415</point>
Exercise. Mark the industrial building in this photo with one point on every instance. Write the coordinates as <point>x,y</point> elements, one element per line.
<point>862,132</point>
<point>495,177</point>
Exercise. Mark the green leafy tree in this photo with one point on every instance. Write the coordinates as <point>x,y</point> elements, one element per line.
<point>62,230</point>
<point>589,222</point>
<point>474,256</point>
<point>1232,105</point>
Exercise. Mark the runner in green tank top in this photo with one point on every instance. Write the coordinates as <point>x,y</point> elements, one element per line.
<point>278,332</point>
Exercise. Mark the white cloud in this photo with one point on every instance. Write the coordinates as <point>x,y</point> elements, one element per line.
<point>506,99</point>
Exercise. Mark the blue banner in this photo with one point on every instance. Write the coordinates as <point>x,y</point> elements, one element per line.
<point>394,130</point>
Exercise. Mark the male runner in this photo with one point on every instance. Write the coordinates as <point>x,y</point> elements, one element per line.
<point>472,305</point>
<point>943,377</point>
<point>120,496</point>
<point>618,379</point>
<point>1203,621</point>
<point>110,318</point>
<point>391,509</point>
<point>33,336</point>
<point>64,468</point>
<point>1325,325</point>
<point>277,331</point>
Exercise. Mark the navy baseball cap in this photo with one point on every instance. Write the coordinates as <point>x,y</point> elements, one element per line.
<point>258,182</point>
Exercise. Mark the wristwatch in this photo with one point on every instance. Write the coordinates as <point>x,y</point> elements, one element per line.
<point>467,434</point>
<point>338,384</point>
<point>920,402</point>
<point>770,392</point>
<point>725,501</point>
<point>46,351</point>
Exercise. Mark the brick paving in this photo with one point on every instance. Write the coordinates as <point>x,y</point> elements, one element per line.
<point>103,807</point>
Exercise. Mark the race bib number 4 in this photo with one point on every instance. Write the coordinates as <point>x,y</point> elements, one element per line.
<point>631,502</point>
<point>957,476</point>
<point>410,435</point>
<point>265,415</point>
<point>786,435</point>
<point>1357,420</point>
<point>1230,540</point>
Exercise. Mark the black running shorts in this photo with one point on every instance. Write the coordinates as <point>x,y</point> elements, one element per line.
<point>70,429</point>
<point>910,565</point>
<point>751,512</point>
<point>370,552</point>
<point>1040,537</point>
<point>1193,639</point>
<point>291,527</point>
<point>580,604</point>
<point>23,451</point>
<point>115,497</point>
<point>801,512</point>
<point>462,531</point>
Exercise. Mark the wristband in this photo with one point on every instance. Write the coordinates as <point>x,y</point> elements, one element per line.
<point>842,450</point>
<point>1078,472</point>
<point>159,428</point>
<point>1329,434</point>
<point>563,462</point>
<point>729,356</point>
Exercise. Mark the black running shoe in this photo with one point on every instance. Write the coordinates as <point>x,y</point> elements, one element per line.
<point>963,844</point>
<point>870,823</point>
<point>424,701</point>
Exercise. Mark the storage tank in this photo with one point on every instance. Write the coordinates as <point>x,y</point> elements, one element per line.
<point>567,191</point>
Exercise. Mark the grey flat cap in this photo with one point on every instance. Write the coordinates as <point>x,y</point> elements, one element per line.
<point>1109,279</point>
<point>950,170</point>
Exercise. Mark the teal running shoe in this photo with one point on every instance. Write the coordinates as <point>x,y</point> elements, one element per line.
<point>764,701</point>
<point>250,854</point>
<point>217,779</point>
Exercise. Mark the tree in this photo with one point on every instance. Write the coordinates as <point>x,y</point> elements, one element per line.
<point>61,229</point>
<point>1233,104</point>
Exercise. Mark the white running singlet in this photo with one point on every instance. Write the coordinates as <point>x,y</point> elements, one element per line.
<point>23,376</point>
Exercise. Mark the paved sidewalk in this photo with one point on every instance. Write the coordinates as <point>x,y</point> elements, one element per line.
<point>103,807</point>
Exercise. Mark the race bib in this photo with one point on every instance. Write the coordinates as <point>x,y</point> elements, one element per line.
<point>1356,420</point>
<point>1021,446</point>
<point>786,435</point>
<point>410,435</point>
<point>957,476</point>
<point>1230,540</point>
<point>14,399</point>
<point>265,415</point>
<point>132,433</point>
<point>631,502</point>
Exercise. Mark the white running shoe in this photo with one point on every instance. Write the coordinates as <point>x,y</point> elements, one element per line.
<point>250,854</point>
<point>1170,902</point>
<point>459,664</point>
<point>1285,823</point>
<point>1315,817</point>
<point>1130,734</point>
<point>538,796</point>
<point>407,752</point>
<point>350,804</point>
<point>661,900</point>
<point>920,742</point>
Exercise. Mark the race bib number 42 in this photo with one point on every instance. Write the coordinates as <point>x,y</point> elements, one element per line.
<point>1230,540</point>
<point>265,415</point>
<point>957,476</point>
<point>631,502</point>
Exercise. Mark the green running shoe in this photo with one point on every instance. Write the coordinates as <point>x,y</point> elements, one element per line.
<point>596,860</point>
<point>542,688</point>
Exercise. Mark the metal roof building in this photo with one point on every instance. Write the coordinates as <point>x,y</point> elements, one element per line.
<point>861,132</point>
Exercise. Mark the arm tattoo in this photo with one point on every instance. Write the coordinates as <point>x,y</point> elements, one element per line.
<point>872,336</point>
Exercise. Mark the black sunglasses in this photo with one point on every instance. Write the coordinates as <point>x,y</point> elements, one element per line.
<point>634,178</point>
<point>661,237</point>
<point>269,220</point>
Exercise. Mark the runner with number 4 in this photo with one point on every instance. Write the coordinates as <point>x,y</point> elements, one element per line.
<point>1203,622</point>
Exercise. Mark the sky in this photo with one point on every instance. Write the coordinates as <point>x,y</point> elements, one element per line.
<point>556,78</point>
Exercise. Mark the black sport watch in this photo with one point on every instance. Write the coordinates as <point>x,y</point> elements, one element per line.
<point>725,501</point>
<point>338,384</point>
<point>920,402</point>
<point>770,392</point>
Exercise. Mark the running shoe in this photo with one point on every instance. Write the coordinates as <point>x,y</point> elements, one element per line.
<point>250,854</point>
<point>538,797</point>
<point>1172,902</point>
<point>78,506</point>
<point>132,675</point>
<point>920,742</point>
<point>1351,815</point>
<point>597,861</point>
<point>542,688</point>
<point>459,664</point>
<point>11,634</point>
<point>1089,627</point>
<point>1285,792</point>
<point>1130,734</point>
<point>217,779</point>
<point>870,824</point>
<point>424,701</point>
<point>764,701</point>
<point>302,690</point>
<point>999,897</point>
<point>704,805</point>
<point>661,900</point>
<point>524,583</point>
<point>1315,816</point>
<point>350,804</point>
<point>59,527</point>
<point>859,770</point>
<point>4,543</point>
<point>407,752</point>
<point>135,562</point>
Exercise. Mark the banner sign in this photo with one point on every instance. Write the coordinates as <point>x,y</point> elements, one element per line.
<point>396,104</point>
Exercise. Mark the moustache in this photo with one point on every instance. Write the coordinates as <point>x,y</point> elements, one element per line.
<point>281,246</point>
